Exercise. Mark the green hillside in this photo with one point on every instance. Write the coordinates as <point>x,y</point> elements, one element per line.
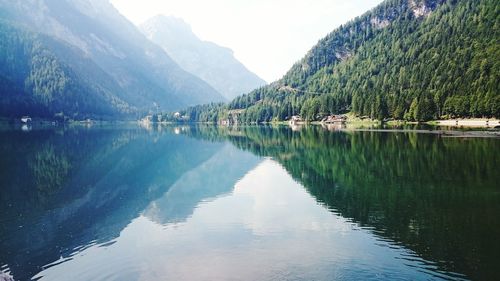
<point>34,80</point>
<point>405,59</point>
<point>84,59</point>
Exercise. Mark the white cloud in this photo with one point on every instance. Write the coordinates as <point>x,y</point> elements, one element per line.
<point>268,36</point>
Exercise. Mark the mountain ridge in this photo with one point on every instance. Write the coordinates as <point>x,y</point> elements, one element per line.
<point>143,77</point>
<point>211,62</point>
<point>415,60</point>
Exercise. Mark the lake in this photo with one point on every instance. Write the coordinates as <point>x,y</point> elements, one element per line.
<point>123,202</point>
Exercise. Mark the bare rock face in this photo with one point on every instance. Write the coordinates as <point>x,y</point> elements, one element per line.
<point>423,8</point>
<point>420,8</point>
<point>379,23</point>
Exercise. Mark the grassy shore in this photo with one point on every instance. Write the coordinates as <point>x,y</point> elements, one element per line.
<point>354,120</point>
<point>473,123</point>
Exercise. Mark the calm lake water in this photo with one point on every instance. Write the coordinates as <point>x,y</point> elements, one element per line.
<point>252,203</point>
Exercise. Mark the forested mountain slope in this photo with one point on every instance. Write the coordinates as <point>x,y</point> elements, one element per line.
<point>83,57</point>
<point>405,59</point>
<point>35,80</point>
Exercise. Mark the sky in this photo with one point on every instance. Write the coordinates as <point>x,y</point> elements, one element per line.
<point>267,36</point>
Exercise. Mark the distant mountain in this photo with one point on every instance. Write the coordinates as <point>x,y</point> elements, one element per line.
<point>405,59</point>
<point>83,58</point>
<point>214,64</point>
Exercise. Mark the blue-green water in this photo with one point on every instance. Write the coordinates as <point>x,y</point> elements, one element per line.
<point>250,203</point>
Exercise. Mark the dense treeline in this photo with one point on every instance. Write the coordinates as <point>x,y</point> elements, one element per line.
<point>33,80</point>
<point>207,112</point>
<point>413,60</point>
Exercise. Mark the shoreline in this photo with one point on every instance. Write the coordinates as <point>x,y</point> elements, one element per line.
<point>479,123</point>
<point>470,123</point>
<point>441,132</point>
<point>434,129</point>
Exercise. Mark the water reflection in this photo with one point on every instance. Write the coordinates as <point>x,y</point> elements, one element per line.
<point>188,203</point>
<point>213,178</point>
<point>68,189</point>
<point>238,237</point>
<point>435,195</point>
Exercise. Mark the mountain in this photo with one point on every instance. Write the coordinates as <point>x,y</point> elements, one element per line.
<point>214,64</point>
<point>82,57</point>
<point>405,59</point>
